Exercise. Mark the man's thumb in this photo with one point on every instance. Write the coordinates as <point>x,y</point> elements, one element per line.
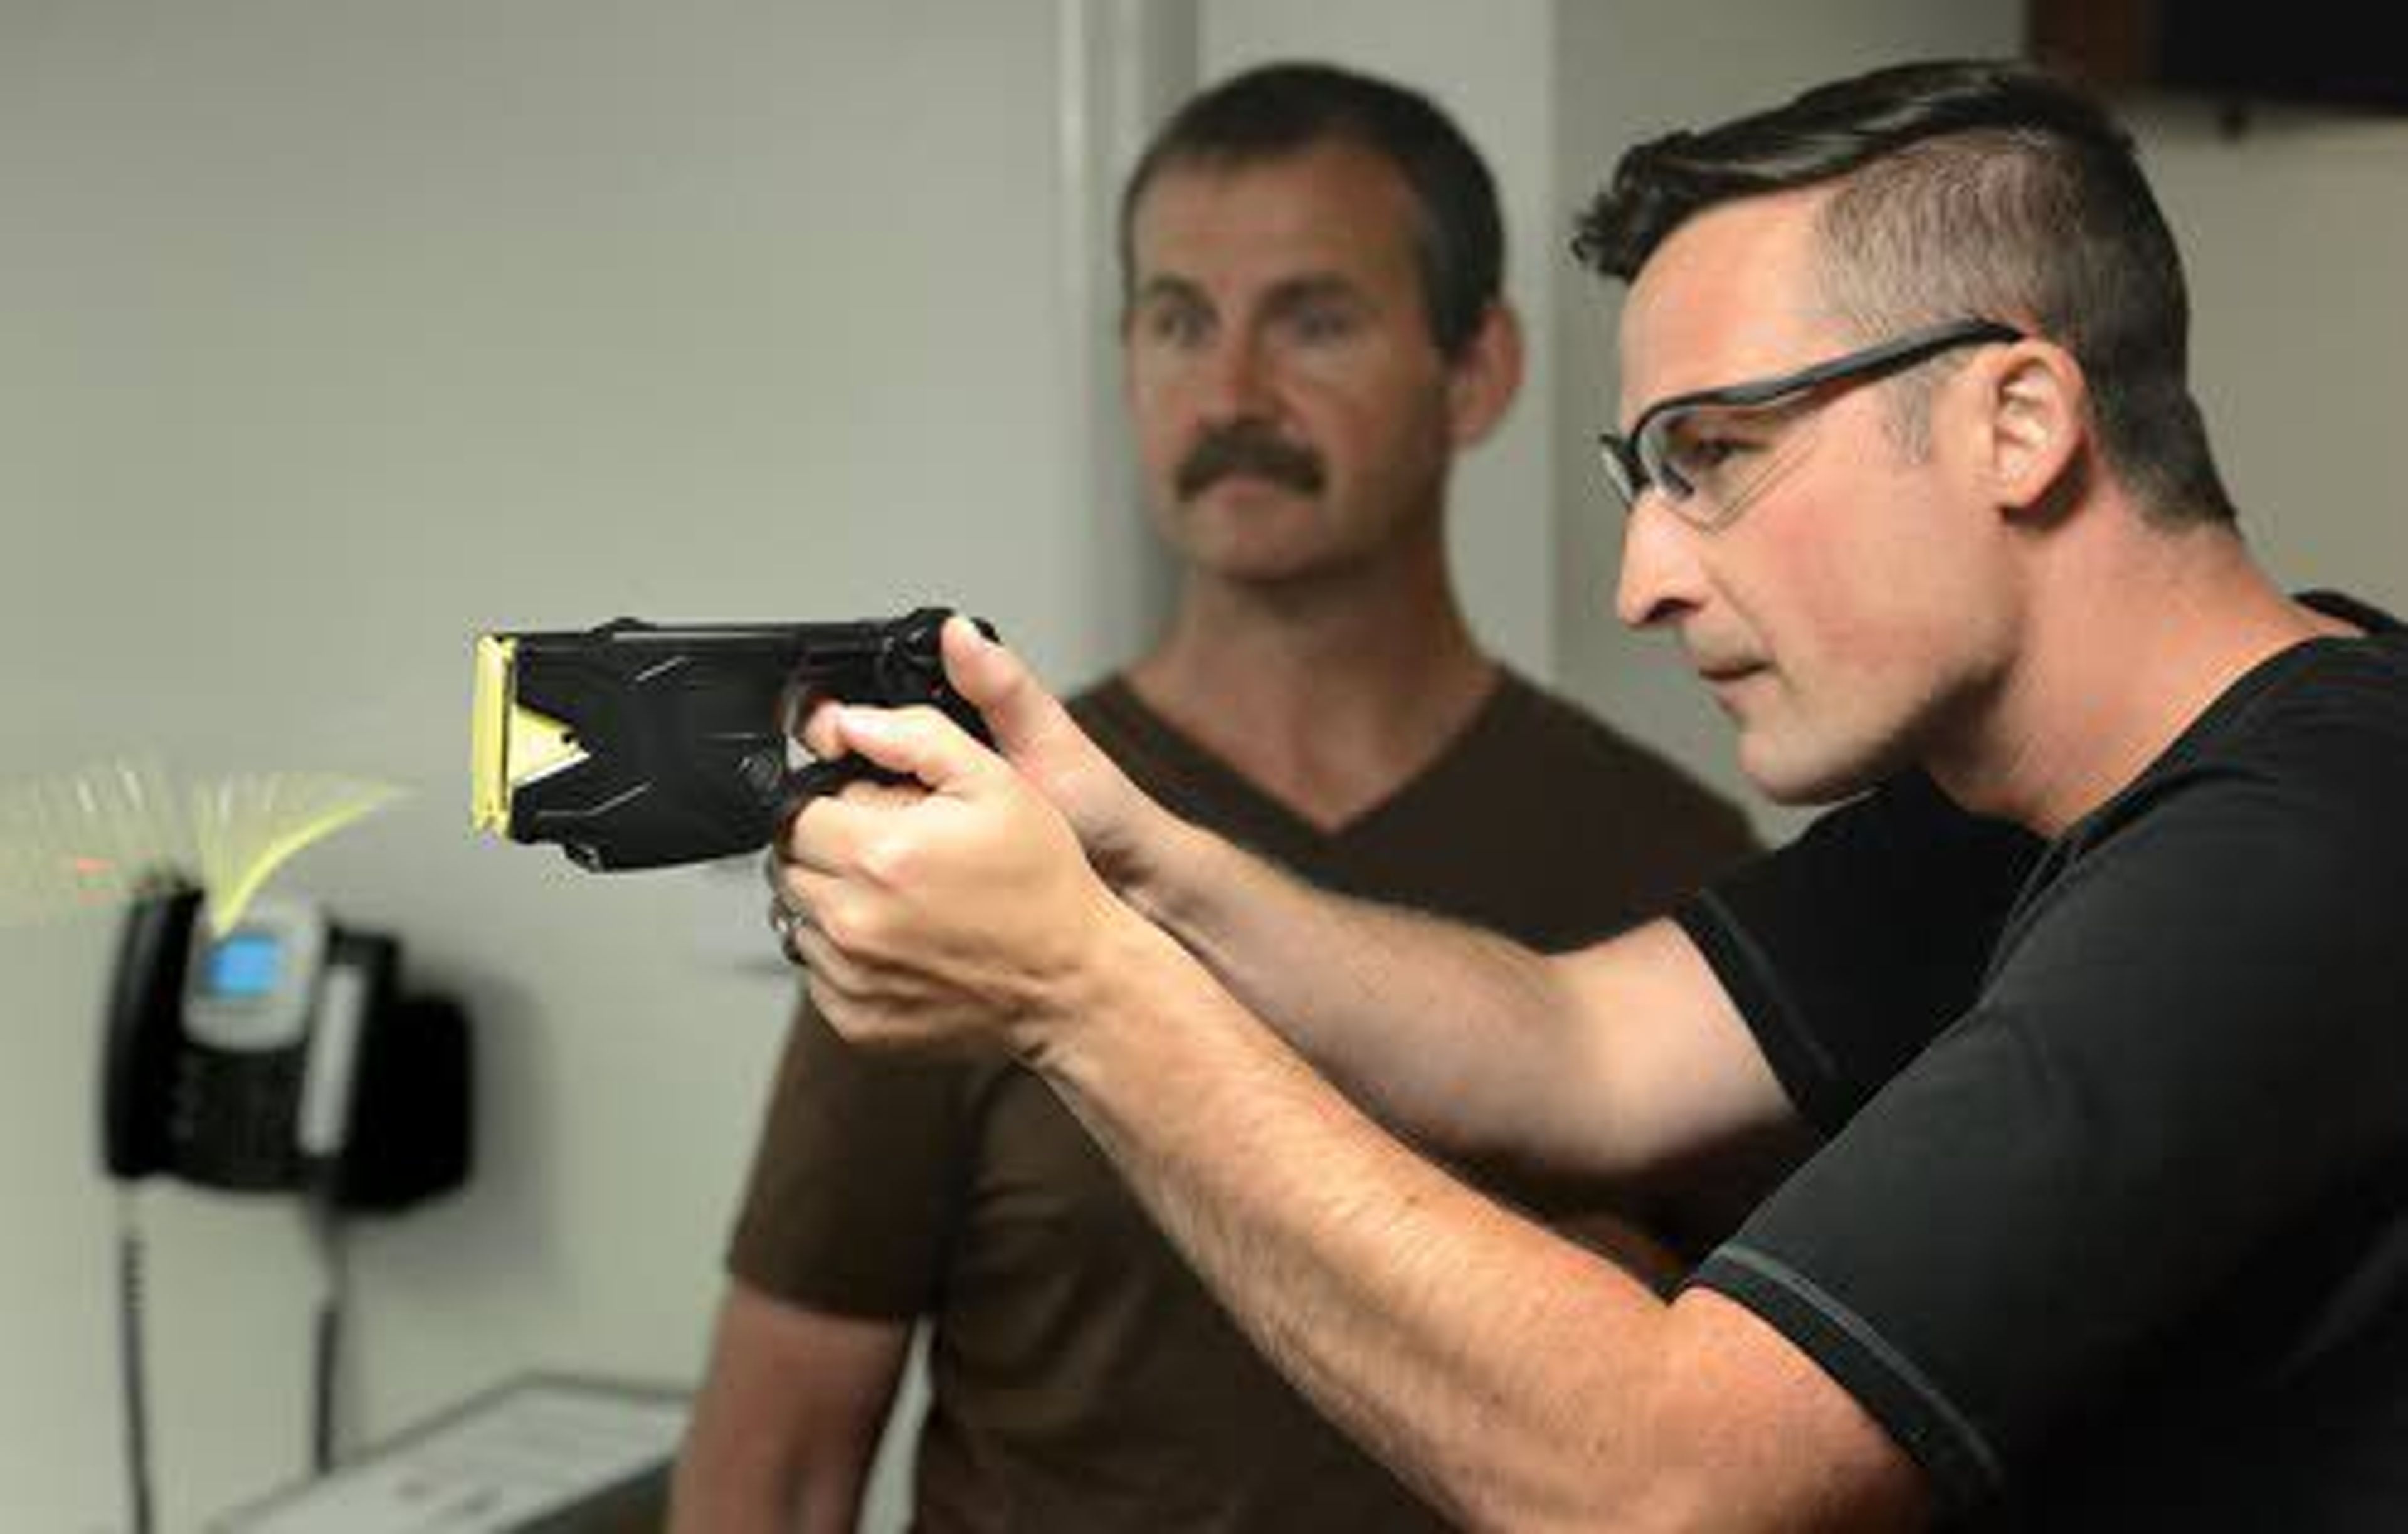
<point>1016,707</point>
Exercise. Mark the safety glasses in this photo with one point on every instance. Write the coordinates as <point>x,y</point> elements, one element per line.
<point>1711,451</point>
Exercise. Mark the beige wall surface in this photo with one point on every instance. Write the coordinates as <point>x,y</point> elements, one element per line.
<point>330,334</point>
<point>2295,234</point>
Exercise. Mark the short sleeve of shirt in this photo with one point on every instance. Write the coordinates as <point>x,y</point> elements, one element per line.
<point>2187,1052</point>
<point>1848,948</point>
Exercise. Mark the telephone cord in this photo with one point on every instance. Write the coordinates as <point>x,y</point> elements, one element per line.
<point>129,1358</point>
<point>326,1356</point>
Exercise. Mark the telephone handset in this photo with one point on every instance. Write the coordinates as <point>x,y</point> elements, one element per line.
<point>278,1057</point>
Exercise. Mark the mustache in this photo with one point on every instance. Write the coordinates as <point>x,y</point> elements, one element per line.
<point>1247,448</point>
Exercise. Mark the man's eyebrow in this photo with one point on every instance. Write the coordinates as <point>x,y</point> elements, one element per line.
<point>1313,288</point>
<point>1164,285</point>
<point>1306,287</point>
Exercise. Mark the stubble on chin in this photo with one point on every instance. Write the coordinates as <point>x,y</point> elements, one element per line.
<point>1798,761</point>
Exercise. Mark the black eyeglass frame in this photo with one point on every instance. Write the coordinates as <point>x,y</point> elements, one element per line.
<point>1626,468</point>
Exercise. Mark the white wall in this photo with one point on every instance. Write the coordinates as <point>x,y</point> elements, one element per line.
<point>2295,234</point>
<point>331,333</point>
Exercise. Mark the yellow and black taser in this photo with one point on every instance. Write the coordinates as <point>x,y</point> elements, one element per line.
<point>641,745</point>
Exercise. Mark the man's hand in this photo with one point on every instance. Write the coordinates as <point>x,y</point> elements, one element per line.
<point>961,913</point>
<point>1114,821</point>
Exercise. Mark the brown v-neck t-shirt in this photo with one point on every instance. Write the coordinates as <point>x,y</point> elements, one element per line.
<point>1082,1378</point>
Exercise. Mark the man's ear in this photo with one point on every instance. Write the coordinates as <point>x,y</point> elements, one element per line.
<point>2036,420</point>
<point>1483,378</point>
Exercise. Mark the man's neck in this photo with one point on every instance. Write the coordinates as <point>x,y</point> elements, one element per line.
<point>1329,699</point>
<point>2129,651</point>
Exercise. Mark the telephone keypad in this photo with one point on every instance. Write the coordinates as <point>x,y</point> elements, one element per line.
<point>230,1117</point>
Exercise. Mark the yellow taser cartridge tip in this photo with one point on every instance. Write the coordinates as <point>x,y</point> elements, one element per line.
<point>508,743</point>
<point>489,766</point>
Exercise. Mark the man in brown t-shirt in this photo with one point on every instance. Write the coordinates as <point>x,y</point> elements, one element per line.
<point>1313,330</point>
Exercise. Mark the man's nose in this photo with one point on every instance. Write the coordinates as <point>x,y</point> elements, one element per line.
<point>1236,383</point>
<point>1660,579</point>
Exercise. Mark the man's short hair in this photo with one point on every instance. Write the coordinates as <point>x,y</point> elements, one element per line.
<point>1962,188</point>
<point>1282,109</point>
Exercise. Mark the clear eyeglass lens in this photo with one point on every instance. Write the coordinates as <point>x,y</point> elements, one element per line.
<point>1712,461</point>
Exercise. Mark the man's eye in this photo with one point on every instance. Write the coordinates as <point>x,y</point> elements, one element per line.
<point>1321,323</point>
<point>1703,455</point>
<point>1174,325</point>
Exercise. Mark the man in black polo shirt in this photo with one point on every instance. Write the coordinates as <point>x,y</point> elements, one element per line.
<point>2066,1061</point>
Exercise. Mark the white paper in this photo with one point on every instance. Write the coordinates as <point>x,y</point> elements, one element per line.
<point>527,1450</point>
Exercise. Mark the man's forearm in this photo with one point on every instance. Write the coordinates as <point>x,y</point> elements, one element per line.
<point>1442,1031</point>
<point>788,1420</point>
<point>1472,1350</point>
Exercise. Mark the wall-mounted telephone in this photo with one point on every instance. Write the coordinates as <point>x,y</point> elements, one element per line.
<point>279,1056</point>
<point>275,1057</point>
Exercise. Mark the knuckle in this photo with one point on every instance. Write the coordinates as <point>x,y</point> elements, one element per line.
<point>849,928</point>
<point>890,862</point>
<point>835,925</point>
